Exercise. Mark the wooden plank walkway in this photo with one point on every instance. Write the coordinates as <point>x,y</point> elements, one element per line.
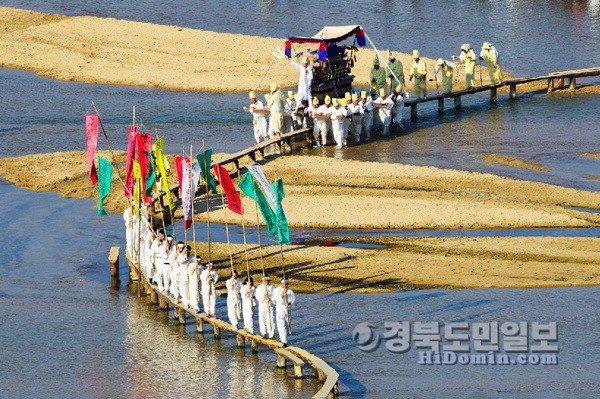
<point>296,355</point>
<point>456,96</point>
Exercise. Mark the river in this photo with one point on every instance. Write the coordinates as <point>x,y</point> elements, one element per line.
<point>66,333</point>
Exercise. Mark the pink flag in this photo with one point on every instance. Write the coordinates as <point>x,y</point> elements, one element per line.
<point>143,143</point>
<point>91,136</point>
<point>186,190</point>
<point>129,168</point>
<point>178,166</point>
<point>234,202</point>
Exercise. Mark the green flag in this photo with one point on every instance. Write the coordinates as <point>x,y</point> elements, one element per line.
<point>249,187</point>
<point>151,179</point>
<point>159,153</point>
<point>205,161</point>
<point>104,178</point>
<point>283,231</point>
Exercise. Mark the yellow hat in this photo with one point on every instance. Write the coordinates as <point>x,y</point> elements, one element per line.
<point>376,61</point>
<point>290,94</point>
<point>486,45</point>
<point>382,92</point>
<point>251,95</point>
<point>304,60</point>
<point>327,100</point>
<point>347,95</point>
<point>315,101</point>
<point>416,54</point>
<point>391,55</point>
<point>354,97</point>
<point>334,101</point>
<point>465,47</point>
<point>398,87</point>
<point>440,61</point>
<point>363,94</point>
<point>273,87</point>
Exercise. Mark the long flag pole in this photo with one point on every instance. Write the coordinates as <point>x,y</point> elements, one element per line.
<point>225,209</point>
<point>244,234</point>
<point>207,203</point>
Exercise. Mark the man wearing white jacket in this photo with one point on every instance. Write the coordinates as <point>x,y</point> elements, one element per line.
<point>209,280</point>
<point>194,270</point>
<point>234,287</point>
<point>284,298</point>
<point>264,296</point>
<point>247,293</point>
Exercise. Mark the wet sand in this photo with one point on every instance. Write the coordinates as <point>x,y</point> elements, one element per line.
<point>111,51</point>
<point>354,194</point>
<point>513,162</point>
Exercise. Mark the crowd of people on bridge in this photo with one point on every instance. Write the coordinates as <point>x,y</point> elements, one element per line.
<point>172,269</point>
<point>358,114</point>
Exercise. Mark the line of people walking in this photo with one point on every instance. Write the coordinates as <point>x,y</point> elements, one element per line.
<point>172,269</point>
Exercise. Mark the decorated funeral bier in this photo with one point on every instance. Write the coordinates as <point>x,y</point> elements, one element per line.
<point>334,57</point>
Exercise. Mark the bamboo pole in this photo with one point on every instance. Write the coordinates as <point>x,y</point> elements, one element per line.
<point>207,203</point>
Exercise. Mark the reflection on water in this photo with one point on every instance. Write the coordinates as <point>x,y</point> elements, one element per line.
<point>66,334</point>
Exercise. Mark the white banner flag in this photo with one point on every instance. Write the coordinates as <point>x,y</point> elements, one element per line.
<point>259,176</point>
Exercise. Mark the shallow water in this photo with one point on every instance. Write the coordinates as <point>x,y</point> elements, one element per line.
<point>62,320</point>
<point>66,333</point>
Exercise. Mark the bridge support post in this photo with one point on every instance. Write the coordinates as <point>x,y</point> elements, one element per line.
<point>413,111</point>
<point>493,95</point>
<point>457,102</point>
<point>440,105</point>
<point>550,85</point>
<point>572,84</point>
<point>513,91</point>
<point>561,82</point>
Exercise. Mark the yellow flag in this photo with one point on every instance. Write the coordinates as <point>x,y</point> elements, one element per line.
<point>137,194</point>
<point>160,162</point>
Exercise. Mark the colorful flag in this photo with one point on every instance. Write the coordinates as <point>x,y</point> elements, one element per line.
<point>205,160</point>
<point>234,202</point>
<point>178,166</point>
<point>160,163</point>
<point>186,192</point>
<point>283,231</point>
<point>137,192</point>
<point>260,177</point>
<point>151,176</point>
<point>143,143</point>
<point>249,187</point>
<point>130,155</point>
<point>195,177</point>
<point>105,177</point>
<point>91,138</point>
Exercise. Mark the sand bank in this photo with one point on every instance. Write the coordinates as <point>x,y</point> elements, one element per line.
<point>513,162</point>
<point>353,194</point>
<point>502,262</point>
<point>111,51</point>
<point>356,194</point>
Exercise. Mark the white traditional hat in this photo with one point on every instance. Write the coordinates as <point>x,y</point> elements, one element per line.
<point>416,54</point>
<point>252,95</point>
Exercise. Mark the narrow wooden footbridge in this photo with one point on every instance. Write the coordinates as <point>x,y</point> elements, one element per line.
<point>555,81</point>
<point>297,357</point>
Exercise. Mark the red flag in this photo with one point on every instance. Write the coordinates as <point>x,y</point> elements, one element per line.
<point>91,136</point>
<point>234,202</point>
<point>143,142</point>
<point>129,168</point>
<point>179,167</point>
